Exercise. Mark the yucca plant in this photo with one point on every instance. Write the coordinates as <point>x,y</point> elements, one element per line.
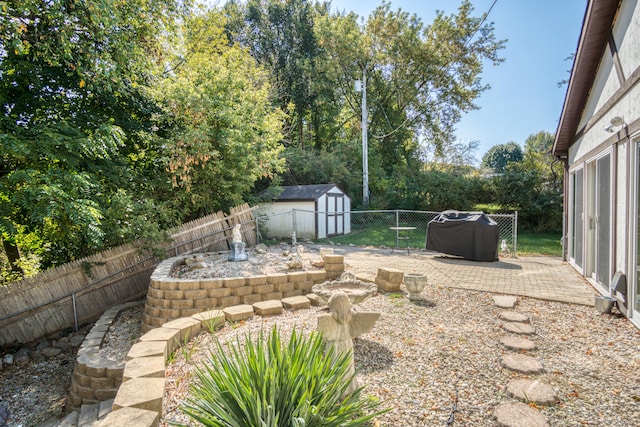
<point>269,384</point>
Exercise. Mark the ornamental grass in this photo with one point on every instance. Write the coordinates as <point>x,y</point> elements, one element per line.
<point>267,384</point>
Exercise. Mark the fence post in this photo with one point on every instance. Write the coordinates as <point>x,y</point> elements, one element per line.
<point>257,230</point>
<point>295,225</point>
<point>75,310</point>
<point>515,234</point>
<point>397,218</point>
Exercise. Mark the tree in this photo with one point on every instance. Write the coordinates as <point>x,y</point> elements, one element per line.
<point>534,186</point>
<point>500,156</point>
<point>76,124</point>
<point>227,132</point>
<point>280,35</point>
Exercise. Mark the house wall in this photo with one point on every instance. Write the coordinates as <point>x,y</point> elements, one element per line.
<point>610,97</point>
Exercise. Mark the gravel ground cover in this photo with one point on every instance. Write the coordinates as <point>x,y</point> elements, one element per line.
<point>437,362</point>
<point>37,390</point>
<point>35,393</point>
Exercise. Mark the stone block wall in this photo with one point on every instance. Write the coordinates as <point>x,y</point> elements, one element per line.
<point>171,298</point>
<point>139,400</point>
<point>95,378</point>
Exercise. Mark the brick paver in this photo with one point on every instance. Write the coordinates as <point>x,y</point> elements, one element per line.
<point>546,278</point>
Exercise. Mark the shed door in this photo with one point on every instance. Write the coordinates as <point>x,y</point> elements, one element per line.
<point>335,214</point>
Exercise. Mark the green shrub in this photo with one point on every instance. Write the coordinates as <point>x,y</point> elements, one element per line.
<point>269,384</point>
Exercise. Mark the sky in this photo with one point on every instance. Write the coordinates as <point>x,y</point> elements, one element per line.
<point>524,97</point>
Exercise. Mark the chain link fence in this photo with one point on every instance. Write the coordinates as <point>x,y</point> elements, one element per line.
<point>381,228</point>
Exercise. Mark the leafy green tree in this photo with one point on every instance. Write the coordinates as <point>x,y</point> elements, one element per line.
<point>280,35</point>
<point>76,120</point>
<point>500,156</point>
<point>534,186</point>
<point>227,133</point>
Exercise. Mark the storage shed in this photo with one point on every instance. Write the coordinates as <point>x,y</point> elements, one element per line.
<point>312,211</point>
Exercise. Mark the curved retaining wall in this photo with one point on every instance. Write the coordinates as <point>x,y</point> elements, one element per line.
<point>172,298</point>
<point>139,399</point>
<point>95,378</point>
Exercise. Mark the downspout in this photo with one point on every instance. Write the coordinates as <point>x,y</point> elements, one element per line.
<point>614,213</point>
<point>628,240</point>
<point>565,204</point>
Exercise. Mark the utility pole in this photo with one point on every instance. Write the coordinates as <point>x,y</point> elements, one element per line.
<point>365,144</point>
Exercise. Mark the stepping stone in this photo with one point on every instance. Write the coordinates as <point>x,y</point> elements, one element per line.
<point>513,316</point>
<point>519,328</point>
<point>238,312</point>
<point>132,417</point>
<point>518,415</point>
<point>505,301</point>
<point>71,420</point>
<point>518,343</point>
<point>268,308</point>
<point>105,408</point>
<point>296,303</point>
<point>532,391</point>
<point>521,363</point>
<point>88,414</point>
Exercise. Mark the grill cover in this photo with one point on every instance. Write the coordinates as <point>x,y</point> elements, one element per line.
<point>471,235</point>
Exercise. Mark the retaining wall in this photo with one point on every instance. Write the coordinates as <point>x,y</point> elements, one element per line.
<point>96,378</point>
<point>171,298</point>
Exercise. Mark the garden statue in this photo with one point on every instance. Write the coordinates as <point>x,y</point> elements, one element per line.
<point>341,325</point>
<point>237,246</point>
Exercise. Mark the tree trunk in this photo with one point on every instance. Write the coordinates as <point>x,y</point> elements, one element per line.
<point>13,254</point>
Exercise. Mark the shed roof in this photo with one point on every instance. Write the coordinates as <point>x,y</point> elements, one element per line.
<point>596,29</point>
<point>304,192</point>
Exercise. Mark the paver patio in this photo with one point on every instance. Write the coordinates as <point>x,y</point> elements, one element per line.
<point>547,278</point>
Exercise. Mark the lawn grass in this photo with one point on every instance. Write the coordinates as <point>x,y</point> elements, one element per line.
<point>539,244</point>
<point>376,235</point>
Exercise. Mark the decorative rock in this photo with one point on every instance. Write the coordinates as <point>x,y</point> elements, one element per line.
<point>76,340</point>
<point>519,328</point>
<point>62,345</point>
<point>521,363</point>
<point>513,316</point>
<point>505,301</point>
<point>518,415</point>
<point>21,357</point>
<point>518,343</point>
<point>532,391</point>
<point>43,344</point>
<point>50,351</point>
